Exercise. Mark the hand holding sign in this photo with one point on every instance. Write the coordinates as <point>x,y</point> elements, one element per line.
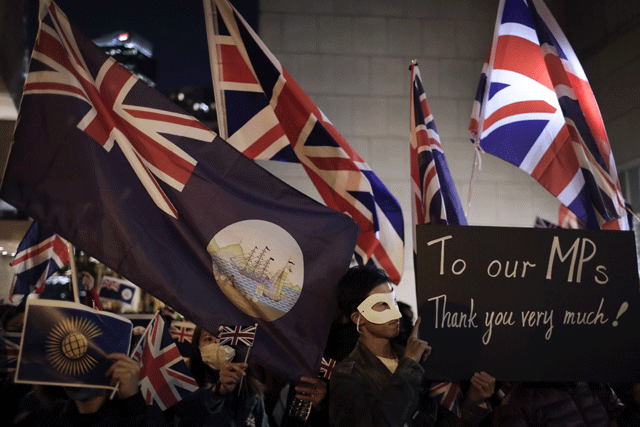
<point>417,349</point>
<point>482,387</point>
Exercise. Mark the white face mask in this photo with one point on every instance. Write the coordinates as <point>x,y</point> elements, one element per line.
<point>392,312</point>
<point>215,355</point>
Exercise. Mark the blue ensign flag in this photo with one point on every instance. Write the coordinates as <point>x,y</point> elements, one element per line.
<point>67,343</point>
<point>124,174</point>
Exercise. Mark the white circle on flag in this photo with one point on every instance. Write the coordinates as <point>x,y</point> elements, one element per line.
<point>259,267</point>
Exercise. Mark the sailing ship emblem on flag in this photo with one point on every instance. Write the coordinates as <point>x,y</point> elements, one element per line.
<point>259,267</point>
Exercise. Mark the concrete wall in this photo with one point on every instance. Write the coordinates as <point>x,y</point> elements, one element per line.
<point>352,59</point>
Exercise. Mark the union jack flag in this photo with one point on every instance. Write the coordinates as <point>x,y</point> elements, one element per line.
<point>40,254</point>
<point>265,114</point>
<point>434,197</point>
<point>143,134</point>
<point>9,350</point>
<point>433,194</point>
<point>535,109</point>
<point>182,333</point>
<point>326,366</point>
<point>449,395</point>
<point>234,335</point>
<point>164,376</point>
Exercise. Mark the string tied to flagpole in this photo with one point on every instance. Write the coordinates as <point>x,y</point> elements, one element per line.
<point>477,160</point>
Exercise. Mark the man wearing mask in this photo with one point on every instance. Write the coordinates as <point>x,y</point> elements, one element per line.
<point>218,401</point>
<point>380,383</point>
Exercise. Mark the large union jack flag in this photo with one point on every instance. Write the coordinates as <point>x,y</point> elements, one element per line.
<point>433,194</point>
<point>40,254</point>
<point>535,109</point>
<point>142,133</point>
<point>265,114</point>
<point>234,335</point>
<point>164,375</point>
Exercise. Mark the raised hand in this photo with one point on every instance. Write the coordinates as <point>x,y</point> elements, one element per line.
<point>125,372</point>
<point>482,387</point>
<point>417,349</point>
<point>230,375</point>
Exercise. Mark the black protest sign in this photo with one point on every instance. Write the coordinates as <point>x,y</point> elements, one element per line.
<point>529,304</point>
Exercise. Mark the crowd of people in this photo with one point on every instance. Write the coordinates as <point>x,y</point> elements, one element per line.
<point>379,380</point>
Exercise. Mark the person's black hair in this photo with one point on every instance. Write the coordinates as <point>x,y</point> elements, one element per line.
<point>356,284</point>
<point>12,311</point>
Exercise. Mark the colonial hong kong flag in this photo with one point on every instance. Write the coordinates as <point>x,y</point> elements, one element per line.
<point>265,114</point>
<point>535,109</point>
<point>110,164</point>
<point>165,377</point>
<point>40,254</point>
<point>234,335</point>
<point>117,289</point>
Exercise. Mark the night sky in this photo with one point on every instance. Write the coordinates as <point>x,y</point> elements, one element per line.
<point>176,28</point>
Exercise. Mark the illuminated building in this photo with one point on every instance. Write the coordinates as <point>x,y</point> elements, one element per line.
<point>132,51</point>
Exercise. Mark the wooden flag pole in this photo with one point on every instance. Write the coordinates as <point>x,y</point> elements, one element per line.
<point>74,273</point>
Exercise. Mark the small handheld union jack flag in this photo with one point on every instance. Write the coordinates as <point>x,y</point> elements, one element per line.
<point>449,395</point>
<point>234,335</point>
<point>165,378</point>
<point>326,366</point>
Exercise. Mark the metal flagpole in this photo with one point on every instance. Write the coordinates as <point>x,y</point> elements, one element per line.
<point>74,273</point>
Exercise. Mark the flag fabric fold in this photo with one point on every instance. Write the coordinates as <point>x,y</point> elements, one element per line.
<point>265,114</point>
<point>39,255</point>
<point>165,378</point>
<point>434,198</point>
<point>111,165</point>
<point>535,109</point>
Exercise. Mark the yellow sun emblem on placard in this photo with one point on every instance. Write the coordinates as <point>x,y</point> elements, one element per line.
<point>67,345</point>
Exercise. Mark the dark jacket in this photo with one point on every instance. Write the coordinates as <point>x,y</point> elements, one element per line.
<point>364,393</point>
<point>130,412</point>
<point>564,404</point>
<point>204,409</point>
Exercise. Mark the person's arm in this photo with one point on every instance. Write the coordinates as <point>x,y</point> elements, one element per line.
<point>352,402</point>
